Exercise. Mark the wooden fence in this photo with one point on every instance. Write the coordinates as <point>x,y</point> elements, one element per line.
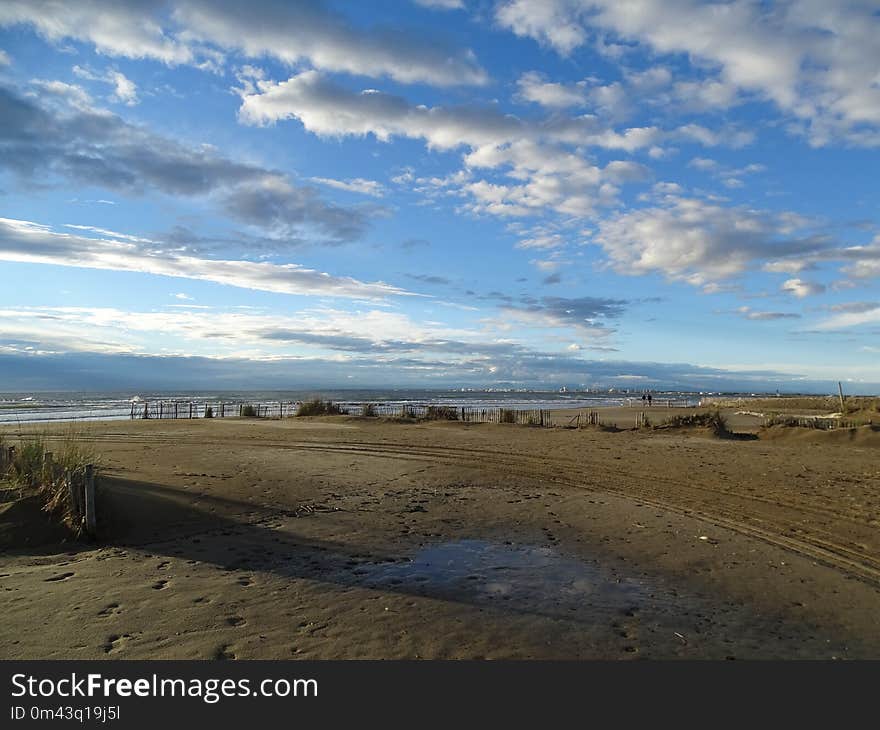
<point>465,414</point>
<point>208,409</point>
<point>817,422</point>
<point>278,409</point>
<point>663,403</point>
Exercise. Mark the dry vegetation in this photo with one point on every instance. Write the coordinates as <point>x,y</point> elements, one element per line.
<point>825,404</point>
<point>712,420</point>
<point>33,474</point>
<point>318,407</point>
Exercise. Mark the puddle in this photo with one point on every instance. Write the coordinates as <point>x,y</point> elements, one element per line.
<point>532,578</point>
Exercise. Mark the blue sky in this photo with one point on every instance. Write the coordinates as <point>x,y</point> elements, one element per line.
<point>440,193</point>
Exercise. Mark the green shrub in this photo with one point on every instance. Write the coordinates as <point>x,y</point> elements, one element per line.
<point>209,412</point>
<point>507,415</point>
<point>368,410</point>
<point>249,411</point>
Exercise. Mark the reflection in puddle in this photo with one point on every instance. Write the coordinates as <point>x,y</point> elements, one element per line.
<point>528,577</point>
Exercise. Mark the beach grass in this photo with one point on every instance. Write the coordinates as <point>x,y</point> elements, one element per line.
<point>33,474</point>
<point>713,420</point>
<point>441,413</point>
<point>318,407</point>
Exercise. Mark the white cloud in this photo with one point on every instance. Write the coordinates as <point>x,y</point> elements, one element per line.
<point>851,315</point>
<point>816,61</point>
<point>546,241</point>
<point>28,242</point>
<point>755,315</point>
<point>115,28</point>
<point>800,288</point>
<point>532,87</point>
<point>329,110</point>
<point>356,185</point>
<point>703,163</point>
<point>73,95</point>
<point>5,60</point>
<point>441,4</point>
<point>535,153</point>
<point>553,22</point>
<point>698,241</point>
<point>217,332</point>
<point>191,31</point>
<point>125,90</point>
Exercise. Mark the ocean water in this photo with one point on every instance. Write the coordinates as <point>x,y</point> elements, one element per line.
<point>51,407</point>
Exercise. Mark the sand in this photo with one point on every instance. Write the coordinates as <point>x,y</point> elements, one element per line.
<point>354,538</point>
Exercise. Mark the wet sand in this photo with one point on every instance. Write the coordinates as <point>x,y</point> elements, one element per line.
<point>351,538</point>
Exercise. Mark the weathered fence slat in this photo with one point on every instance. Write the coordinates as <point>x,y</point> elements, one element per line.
<point>89,493</point>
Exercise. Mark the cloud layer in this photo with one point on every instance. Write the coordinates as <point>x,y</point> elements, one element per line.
<point>817,62</point>
<point>24,241</point>
<point>200,32</point>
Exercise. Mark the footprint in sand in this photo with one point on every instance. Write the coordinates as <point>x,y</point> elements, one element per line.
<point>111,609</point>
<point>160,585</point>
<point>235,621</point>
<point>116,643</point>
<point>60,576</point>
<point>244,581</point>
<point>224,652</point>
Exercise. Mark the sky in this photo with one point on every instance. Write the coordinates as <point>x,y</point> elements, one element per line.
<point>636,194</point>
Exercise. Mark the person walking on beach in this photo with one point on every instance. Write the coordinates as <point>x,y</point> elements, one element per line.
<point>649,399</point>
<point>644,398</point>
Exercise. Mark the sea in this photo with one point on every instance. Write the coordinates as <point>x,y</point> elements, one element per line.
<point>69,406</point>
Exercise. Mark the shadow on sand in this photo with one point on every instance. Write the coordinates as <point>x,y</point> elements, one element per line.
<point>242,536</point>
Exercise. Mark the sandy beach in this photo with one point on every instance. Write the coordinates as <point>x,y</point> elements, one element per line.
<point>365,538</point>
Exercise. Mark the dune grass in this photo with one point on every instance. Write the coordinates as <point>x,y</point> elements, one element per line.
<point>853,404</point>
<point>507,415</point>
<point>713,420</point>
<point>441,413</point>
<point>318,407</point>
<point>32,474</point>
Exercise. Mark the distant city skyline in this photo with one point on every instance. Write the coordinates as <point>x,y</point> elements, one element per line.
<point>440,193</point>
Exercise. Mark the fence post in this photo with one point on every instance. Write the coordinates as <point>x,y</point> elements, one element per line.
<point>48,466</point>
<point>89,491</point>
<point>190,409</point>
<point>146,409</point>
<point>74,497</point>
<point>131,414</point>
